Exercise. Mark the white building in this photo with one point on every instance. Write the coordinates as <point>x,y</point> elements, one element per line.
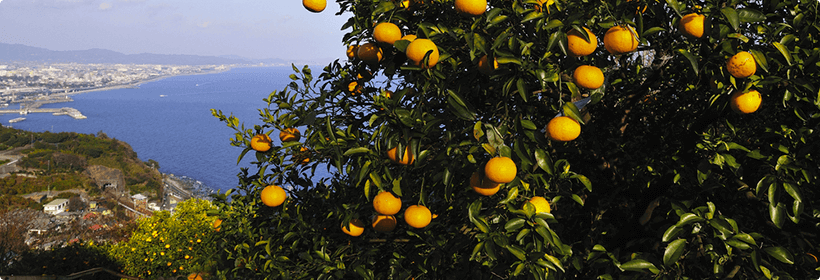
<point>56,207</point>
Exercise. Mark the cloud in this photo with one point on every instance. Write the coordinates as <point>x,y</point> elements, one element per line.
<point>105,6</point>
<point>204,24</point>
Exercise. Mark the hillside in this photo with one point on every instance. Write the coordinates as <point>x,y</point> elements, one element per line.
<point>33,162</point>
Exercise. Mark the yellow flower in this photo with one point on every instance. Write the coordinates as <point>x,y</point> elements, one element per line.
<point>169,264</point>
<point>162,253</point>
<point>187,257</point>
<point>199,241</point>
<point>167,246</point>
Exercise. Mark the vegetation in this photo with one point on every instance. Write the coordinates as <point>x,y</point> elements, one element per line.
<point>170,244</point>
<point>664,179</point>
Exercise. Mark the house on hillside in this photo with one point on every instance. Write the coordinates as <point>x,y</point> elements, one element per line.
<point>140,201</point>
<point>56,206</point>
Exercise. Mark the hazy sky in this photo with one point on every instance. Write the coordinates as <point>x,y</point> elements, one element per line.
<point>249,28</point>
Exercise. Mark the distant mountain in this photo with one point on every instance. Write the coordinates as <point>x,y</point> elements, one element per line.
<point>17,52</point>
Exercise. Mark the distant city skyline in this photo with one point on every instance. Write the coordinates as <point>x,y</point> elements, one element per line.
<point>259,29</point>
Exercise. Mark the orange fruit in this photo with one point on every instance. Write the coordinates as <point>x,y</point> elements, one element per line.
<point>541,204</point>
<point>370,53</point>
<point>484,65</point>
<point>289,134</point>
<point>691,25</point>
<point>314,5</point>
<point>563,129</point>
<point>386,33</point>
<point>305,155</point>
<point>417,216</point>
<point>195,276</point>
<point>746,102</point>
<point>620,40</point>
<point>355,226</point>
<point>217,224</point>
<point>409,37</point>
<point>384,223</point>
<point>386,203</point>
<point>588,77</point>
<point>405,4</point>
<point>471,7</point>
<point>261,142</point>
<point>406,159</point>
<point>273,195</point>
<point>500,170</point>
<point>484,186</point>
<point>577,46</point>
<point>540,3</point>
<point>354,88</point>
<point>352,52</point>
<point>417,49</point>
<point>741,65</point>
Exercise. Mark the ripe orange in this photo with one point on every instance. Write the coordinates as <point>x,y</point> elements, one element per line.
<point>384,223</point>
<point>483,186</point>
<point>261,142</point>
<point>500,170</point>
<point>290,134</point>
<point>577,46</point>
<point>484,65</point>
<point>273,195</point>
<point>386,33</point>
<point>370,53</point>
<point>314,5</point>
<point>305,155</point>
<point>741,65</point>
<point>217,225</point>
<point>691,25</point>
<point>417,49</point>
<point>746,102</point>
<point>354,88</point>
<point>471,7</point>
<point>417,216</point>
<point>541,204</point>
<point>386,203</point>
<point>409,37</point>
<point>563,129</point>
<point>620,40</point>
<point>589,77</point>
<point>195,276</point>
<point>406,159</point>
<point>352,52</point>
<point>356,227</point>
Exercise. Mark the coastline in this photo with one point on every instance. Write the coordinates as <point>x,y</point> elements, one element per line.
<point>138,83</point>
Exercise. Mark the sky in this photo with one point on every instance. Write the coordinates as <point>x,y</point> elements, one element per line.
<point>249,28</point>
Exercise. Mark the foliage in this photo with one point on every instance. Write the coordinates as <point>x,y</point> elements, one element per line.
<point>65,259</point>
<point>665,181</point>
<point>169,244</point>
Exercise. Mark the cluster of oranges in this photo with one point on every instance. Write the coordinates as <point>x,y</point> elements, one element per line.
<point>274,195</point>
<point>387,206</point>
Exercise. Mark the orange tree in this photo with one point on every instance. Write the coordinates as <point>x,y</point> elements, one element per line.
<point>169,244</point>
<point>664,179</point>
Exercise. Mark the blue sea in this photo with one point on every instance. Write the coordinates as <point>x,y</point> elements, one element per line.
<point>169,120</point>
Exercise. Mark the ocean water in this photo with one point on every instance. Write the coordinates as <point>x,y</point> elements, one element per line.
<point>170,120</point>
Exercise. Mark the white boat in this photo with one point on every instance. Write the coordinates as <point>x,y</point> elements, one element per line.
<point>16,120</point>
<point>162,95</point>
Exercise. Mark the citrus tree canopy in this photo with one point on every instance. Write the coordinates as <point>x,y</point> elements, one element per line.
<point>660,174</point>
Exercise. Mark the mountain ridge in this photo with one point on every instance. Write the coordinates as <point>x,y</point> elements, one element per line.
<point>23,53</point>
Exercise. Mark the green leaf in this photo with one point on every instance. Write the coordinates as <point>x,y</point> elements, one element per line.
<point>528,124</point>
<point>461,109</point>
<point>691,58</point>
<point>760,59</point>
<point>638,265</point>
<point>793,191</point>
<point>515,224</point>
<point>731,17</point>
<point>543,160</point>
<point>784,51</point>
<point>571,111</point>
<point>688,218</point>
<point>671,233</point>
<point>780,253</point>
<point>777,214</point>
<point>673,251</point>
<point>748,15</point>
<point>477,130</point>
<point>584,180</point>
<point>517,252</point>
<point>359,150</point>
